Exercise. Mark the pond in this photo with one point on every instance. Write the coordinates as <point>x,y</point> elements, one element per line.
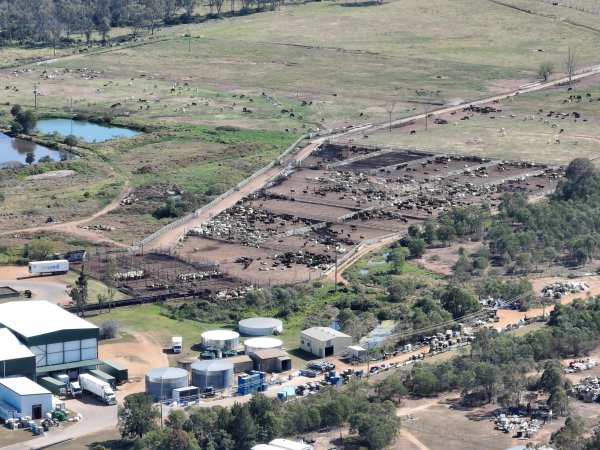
<point>87,131</point>
<point>15,149</point>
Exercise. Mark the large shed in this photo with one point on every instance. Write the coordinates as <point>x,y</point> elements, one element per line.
<point>15,358</point>
<point>60,341</point>
<point>241,363</point>
<point>324,341</point>
<point>271,360</point>
<point>26,397</point>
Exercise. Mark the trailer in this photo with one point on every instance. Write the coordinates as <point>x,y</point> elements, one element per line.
<point>120,373</point>
<point>97,388</point>
<point>104,377</point>
<point>185,393</point>
<point>73,387</point>
<point>55,386</point>
<point>52,267</point>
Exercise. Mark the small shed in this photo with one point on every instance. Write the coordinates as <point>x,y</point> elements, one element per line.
<point>241,363</point>
<point>271,360</point>
<point>356,351</point>
<point>324,341</point>
<point>26,397</point>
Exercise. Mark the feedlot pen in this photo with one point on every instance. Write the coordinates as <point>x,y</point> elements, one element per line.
<point>318,211</point>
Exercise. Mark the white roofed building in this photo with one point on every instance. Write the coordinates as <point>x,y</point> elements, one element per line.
<point>22,397</point>
<point>60,341</point>
<point>324,341</point>
<point>15,357</point>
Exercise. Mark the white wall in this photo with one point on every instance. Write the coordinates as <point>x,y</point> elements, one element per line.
<point>65,352</point>
<point>25,403</point>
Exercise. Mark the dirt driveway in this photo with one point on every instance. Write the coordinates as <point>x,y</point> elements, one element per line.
<point>42,288</point>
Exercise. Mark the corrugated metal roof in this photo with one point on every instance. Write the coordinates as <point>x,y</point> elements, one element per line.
<point>38,317</point>
<point>11,347</point>
<point>23,386</point>
<point>290,445</point>
<point>323,333</point>
<point>269,353</point>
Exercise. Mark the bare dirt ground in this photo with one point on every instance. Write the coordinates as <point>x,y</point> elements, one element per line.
<point>49,288</point>
<point>137,357</point>
<point>53,174</point>
<point>442,260</point>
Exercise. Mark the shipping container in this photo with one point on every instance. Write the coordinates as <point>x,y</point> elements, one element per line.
<point>120,373</point>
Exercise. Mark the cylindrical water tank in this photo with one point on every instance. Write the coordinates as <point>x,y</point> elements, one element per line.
<point>223,339</point>
<point>217,373</point>
<point>160,382</point>
<point>260,326</point>
<point>186,363</point>
<point>254,344</point>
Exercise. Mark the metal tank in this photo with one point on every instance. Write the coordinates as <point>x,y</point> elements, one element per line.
<point>186,363</point>
<point>223,339</point>
<point>254,344</point>
<point>216,373</point>
<point>260,326</point>
<point>161,381</point>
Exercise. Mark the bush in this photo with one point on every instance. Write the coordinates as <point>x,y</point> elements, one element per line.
<point>109,329</point>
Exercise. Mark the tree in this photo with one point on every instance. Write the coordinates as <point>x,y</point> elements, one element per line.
<point>70,140</point>
<point>570,436</point>
<point>570,62</point>
<point>30,158</point>
<point>136,18</point>
<point>397,257</point>
<point>39,249</point>
<point>558,400</point>
<point>580,170</point>
<point>416,247</point>
<point>458,301</point>
<point>104,28</point>
<point>137,416</point>
<point>79,293</point>
<point>242,427</point>
<point>390,388</point>
<point>15,110</point>
<point>552,377</point>
<point>545,70</point>
<point>55,31</point>
<point>267,418</point>
<point>26,120</point>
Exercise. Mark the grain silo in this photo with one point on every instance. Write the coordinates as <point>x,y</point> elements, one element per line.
<point>216,373</point>
<point>223,339</point>
<point>161,381</point>
<point>265,343</point>
<point>260,326</point>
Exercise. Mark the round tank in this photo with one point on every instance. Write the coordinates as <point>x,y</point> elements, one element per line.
<point>186,363</point>
<point>254,344</point>
<point>160,382</point>
<point>260,326</point>
<point>216,373</point>
<point>223,339</point>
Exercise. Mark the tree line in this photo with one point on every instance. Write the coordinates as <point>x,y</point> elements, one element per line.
<point>370,414</point>
<point>51,22</point>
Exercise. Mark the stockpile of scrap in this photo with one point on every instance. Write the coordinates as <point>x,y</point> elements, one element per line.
<point>557,290</point>
<point>579,365</point>
<point>517,424</point>
<point>588,389</point>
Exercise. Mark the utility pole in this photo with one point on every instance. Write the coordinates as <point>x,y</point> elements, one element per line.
<point>189,41</point>
<point>336,269</point>
<point>34,95</point>
<point>368,360</point>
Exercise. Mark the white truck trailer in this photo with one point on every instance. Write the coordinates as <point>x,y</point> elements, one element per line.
<point>98,388</point>
<point>58,266</point>
<point>177,344</point>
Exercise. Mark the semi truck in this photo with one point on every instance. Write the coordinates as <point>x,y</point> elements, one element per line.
<point>73,387</point>
<point>97,388</point>
<point>53,267</point>
<point>177,344</point>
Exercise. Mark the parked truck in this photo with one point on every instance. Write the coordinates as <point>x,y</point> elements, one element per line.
<point>53,267</point>
<point>97,388</point>
<point>120,373</point>
<point>73,387</point>
<point>53,385</point>
<point>177,344</point>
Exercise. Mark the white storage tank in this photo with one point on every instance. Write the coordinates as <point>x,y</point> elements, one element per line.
<point>161,381</point>
<point>223,339</point>
<point>217,373</point>
<point>260,326</point>
<point>265,343</point>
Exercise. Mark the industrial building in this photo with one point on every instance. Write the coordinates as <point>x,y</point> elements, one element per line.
<point>241,363</point>
<point>19,396</point>
<point>15,358</point>
<point>271,360</point>
<point>60,341</point>
<point>324,341</point>
<point>260,326</point>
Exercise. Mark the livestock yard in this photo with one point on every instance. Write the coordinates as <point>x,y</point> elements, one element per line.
<point>340,197</point>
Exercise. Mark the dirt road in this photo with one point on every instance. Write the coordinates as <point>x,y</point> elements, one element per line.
<point>73,228</point>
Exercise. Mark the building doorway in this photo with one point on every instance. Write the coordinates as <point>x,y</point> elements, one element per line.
<point>36,412</point>
<point>329,351</point>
